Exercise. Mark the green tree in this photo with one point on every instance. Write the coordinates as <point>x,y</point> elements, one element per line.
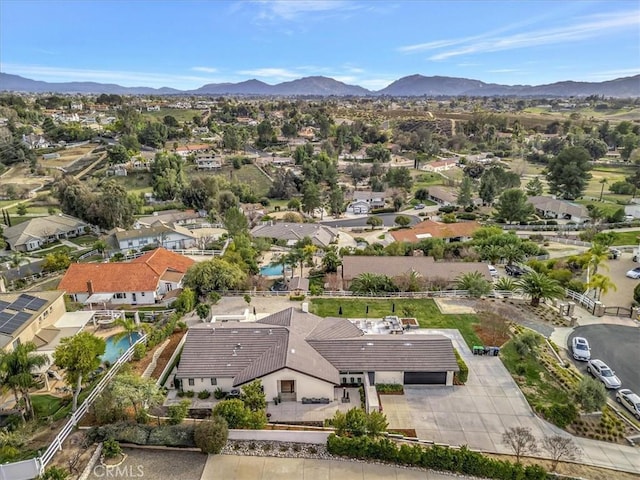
<point>117,154</point>
<point>203,310</point>
<point>78,356</point>
<point>21,209</point>
<point>137,393</point>
<point>128,327</point>
<point>539,286</point>
<point>568,172</point>
<point>253,396</point>
<point>235,222</point>
<point>331,260</point>
<point>177,413</point>
<point>591,394</point>
<point>17,369</point>
<point>399,177</point>
<point>374,221</point>
<point>54,262</point>
<point>153,134</point>
<point>465,192</point>
<point>512,206</point>
<point>213,275</point>
<point>336,201</point>
<point>100,246</point>
<point>379,152</point>
<point>372,283</point>
<point>310,197</point>
<point>601,284</point>
<point>513,253</point>
<point>402,221</point>
<point>488,188</point>
<point>294,204</point>
<point>475,283</point>
<point>534,187</point>
<point>211,436</point>
<point>186,301</point>
<point>492,253</point>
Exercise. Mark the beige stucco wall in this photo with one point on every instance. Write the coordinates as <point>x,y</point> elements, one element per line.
<point>201,384</point>
<point>48,317</point>
<point>305,386</point>
<point>390,377</point>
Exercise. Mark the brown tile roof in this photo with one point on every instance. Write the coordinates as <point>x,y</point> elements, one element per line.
<point>139,275</point>
<point>429,228</point>
<point>354,265</point>
<point>109,277</point>
<point>162,259</point>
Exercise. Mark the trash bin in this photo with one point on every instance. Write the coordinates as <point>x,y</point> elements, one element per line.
<point>478,350</point>
<point>495,351</point>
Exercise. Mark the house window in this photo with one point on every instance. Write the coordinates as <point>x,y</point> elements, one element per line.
<point>130,243</point>
<point>191,382</point>
<point>214,381</point>
<point>120,295</point>
<point>142,294</point>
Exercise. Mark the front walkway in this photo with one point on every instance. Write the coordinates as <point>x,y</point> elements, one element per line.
<point>286,412</point>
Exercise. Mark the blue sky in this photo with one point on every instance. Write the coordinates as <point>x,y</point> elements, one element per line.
<point>185,44</point>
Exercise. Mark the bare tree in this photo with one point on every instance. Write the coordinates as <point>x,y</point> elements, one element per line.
<point>521,441</point>
<point>496,326</point>
<point>559,447</point>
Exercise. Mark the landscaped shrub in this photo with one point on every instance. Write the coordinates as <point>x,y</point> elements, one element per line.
<point>561,414</point>
<point>179,412</point>
<point>111,448</point>
<point>218,394</point>
<point>204,394</point>
<point>461,460</point>
<point>211,436</point>
<point>591,394</point>
<point>460,378</point>
<point>389,388</point>
<point>139,351</point>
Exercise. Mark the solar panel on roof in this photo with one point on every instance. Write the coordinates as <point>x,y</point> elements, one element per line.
<point>15,322</point>
<point>20,303</point>
<point>36,304</point>
<point>3,305</point>
<point>5,331</point>
<point>5,316</point>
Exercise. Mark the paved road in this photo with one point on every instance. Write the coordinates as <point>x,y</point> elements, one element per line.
<point>387,218</point>
<point>227,467</point>
<point>615,345</point>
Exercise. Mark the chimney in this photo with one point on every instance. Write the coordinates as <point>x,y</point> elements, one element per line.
<point>90,287</point>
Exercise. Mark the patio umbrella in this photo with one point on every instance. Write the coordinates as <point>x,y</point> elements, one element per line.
<point>367,309</point>
<point>340,310</point>
<point>393,308</point>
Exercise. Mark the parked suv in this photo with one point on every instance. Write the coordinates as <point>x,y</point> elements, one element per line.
<point>514,270</point>
<point>601,371</point>
<point>630,400</point>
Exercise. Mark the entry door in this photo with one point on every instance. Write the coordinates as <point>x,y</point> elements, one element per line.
<point>287,386</point>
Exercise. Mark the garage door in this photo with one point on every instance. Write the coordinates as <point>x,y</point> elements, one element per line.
<point>425,378</point>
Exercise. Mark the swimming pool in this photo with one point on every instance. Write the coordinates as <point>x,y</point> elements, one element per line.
<point>115,349</point>
<point>271,270</point>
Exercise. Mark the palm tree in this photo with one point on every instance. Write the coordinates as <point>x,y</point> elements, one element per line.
<point>603,181</point>
<point>17,372</point>
<point>129,327</point>
<point>493,253</point>
<point>506,284</point>
<point>475,283</point>
<point>601,284</point>
<point>539,286</point>
<point>598,253</point>
<point>371,283</point>
<point>512,253</point>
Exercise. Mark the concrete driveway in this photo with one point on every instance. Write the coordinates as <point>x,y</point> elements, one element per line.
<point>623,296</point>
<point>478,413</point>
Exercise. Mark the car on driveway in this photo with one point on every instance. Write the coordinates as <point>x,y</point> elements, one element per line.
<point>515,270</point>
<point>630,400</point>
<point>601,371</point>
<point>580,349</point>
<point>634,273</point>
<point>493,271</point>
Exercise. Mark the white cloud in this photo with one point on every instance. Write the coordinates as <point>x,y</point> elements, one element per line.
<point>292,10</point>
<point>204,69</point>
<point>589,27</point>
<point>611,74</point>
<point>124,78</point>
<point>272,73</point>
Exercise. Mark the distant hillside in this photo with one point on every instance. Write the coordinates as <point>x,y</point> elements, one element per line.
<point>17,83</point>
<point>411,86</point>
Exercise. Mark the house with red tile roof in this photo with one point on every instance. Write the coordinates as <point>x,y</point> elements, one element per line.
<point>449,232</point>
<point>142,281</point>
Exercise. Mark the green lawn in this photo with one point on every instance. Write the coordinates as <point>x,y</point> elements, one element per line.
<point>84,240</point>
<point>606,208</point>
<point>425,310</point>
<point>138,182</point>
<point>251,175</point>
<point>48,405</point>
<point>626,238</point>
<point>179,114</point>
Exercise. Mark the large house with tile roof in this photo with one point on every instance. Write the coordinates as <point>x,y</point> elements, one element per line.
<point>449,232</point>
<point>320,235</point>
<point>39,231</point>
<point>142,281</point>
<point>297,354</point>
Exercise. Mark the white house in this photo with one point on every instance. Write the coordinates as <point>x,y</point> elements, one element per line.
<point>365,201</point>
<point>298,355</point>
<point>159,233</point>
<point>139,282</point>
<point>39,231</point>
<point>208,162</point>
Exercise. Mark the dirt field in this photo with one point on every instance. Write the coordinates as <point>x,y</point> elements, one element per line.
<point>67,156</point>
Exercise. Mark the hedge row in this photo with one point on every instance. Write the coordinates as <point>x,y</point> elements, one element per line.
<point>461,376</point>
<point>446,459</point>
<point>167,435</point>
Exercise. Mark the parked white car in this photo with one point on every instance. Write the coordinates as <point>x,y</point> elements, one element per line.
<point>629,400</point>
<point>580,349</point>
<point>634,273</point>
<point>601,371</point>
<point>493,271</point>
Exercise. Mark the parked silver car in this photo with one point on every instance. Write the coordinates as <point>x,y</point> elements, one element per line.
<point>580,349</point>
<point>601,371</point>
<point>630,400</point>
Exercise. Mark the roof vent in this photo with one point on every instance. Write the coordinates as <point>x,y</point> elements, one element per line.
<point>270,332</point>
<point>293,350</point>
<point>407,344</point>
<point>370,344</point>
<point>234,331</point>
<point>362,348</point>
<point>234,353</point>
<point>228,364</point>
<point>238,346</point>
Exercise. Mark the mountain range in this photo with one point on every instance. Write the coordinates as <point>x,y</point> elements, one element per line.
<point>411,86</point>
